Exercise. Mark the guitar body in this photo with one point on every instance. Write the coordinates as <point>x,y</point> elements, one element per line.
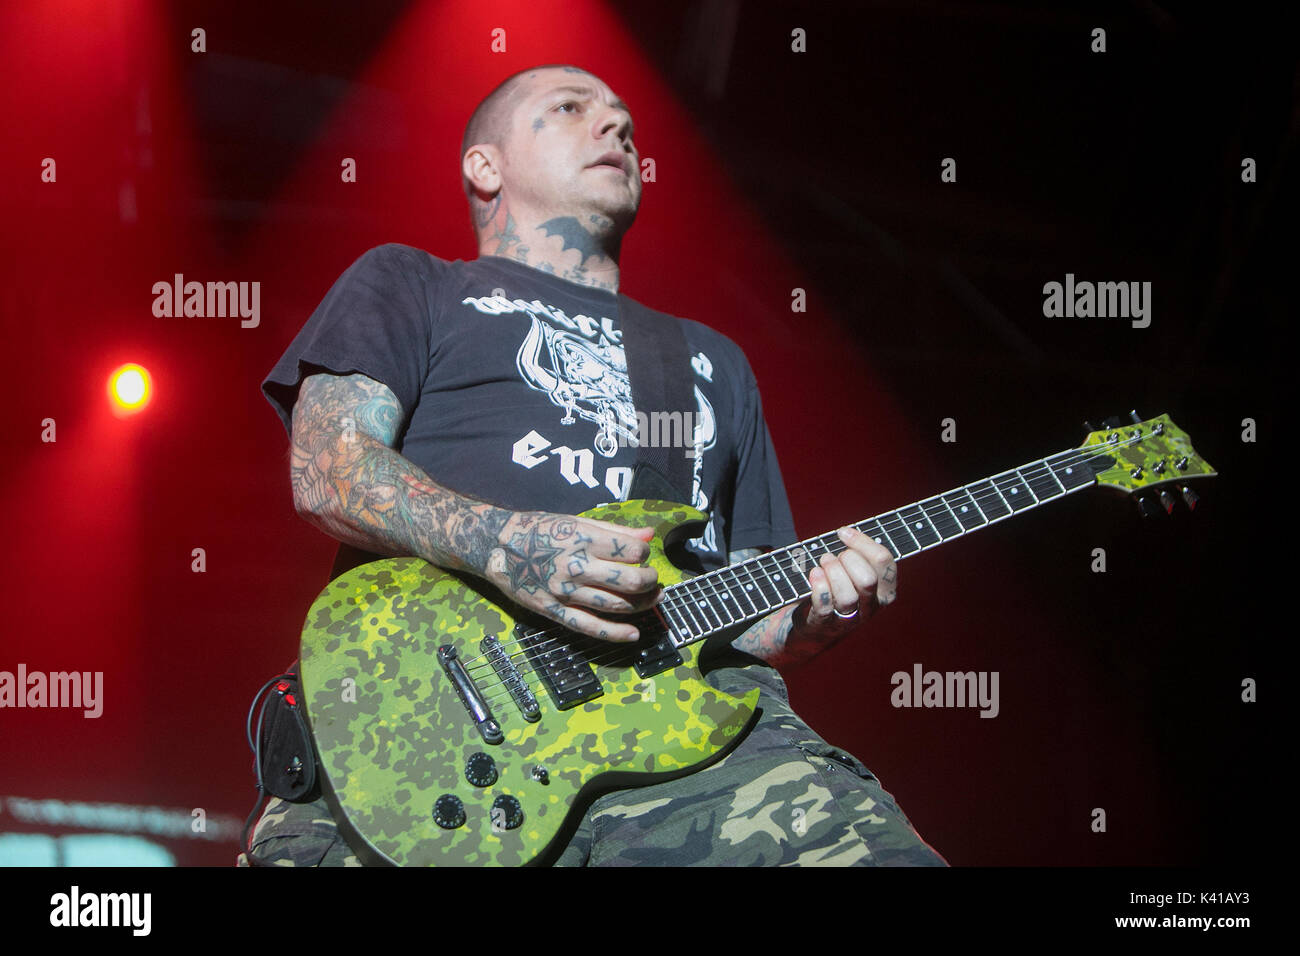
<point>398,746</point>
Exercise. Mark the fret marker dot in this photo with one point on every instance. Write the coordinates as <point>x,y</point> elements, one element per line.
<point>1069,471</point>
<point>963,509</point>
<point>918,524</point>
<point>1014,490</point>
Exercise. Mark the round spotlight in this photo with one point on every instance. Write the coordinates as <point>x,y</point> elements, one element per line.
<point>130,387</point>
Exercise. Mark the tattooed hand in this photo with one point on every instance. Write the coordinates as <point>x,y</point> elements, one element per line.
<point>849,587</point>
<point>559,564</point>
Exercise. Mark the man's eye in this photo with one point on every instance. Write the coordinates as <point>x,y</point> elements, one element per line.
<point>567,103</point>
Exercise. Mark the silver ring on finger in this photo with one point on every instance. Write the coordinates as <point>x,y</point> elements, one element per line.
<point>847,617</point>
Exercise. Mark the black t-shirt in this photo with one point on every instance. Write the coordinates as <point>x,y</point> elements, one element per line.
<point>514,389</point>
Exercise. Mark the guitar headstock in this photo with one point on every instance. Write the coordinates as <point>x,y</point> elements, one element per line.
<point>1148,455</point>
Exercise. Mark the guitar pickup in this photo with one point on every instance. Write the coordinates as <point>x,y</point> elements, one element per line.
<point>656,658</point>
<point>569,679</point>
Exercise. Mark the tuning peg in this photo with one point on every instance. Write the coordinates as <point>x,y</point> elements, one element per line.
<point>1090,426</point>
<point>1112,422</point>
<point>1190,497</point>
<point>1137,419</point>
<point>1167,500</point>
<point>1148,507</point>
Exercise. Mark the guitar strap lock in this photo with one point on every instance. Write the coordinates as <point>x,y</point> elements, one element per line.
<point>284,756</point>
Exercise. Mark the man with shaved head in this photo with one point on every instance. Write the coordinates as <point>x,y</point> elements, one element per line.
<point>466,412</point>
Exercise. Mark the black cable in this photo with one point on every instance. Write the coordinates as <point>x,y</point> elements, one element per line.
<point>255,744</point>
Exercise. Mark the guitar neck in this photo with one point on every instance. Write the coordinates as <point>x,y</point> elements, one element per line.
<point>713,602</point>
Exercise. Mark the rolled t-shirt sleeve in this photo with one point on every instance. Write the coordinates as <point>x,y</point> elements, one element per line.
<point>376,320</point>
<point>761,515</point>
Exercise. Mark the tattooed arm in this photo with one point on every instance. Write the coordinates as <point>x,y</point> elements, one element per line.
<point>350,482</point>
<point>862,579</point>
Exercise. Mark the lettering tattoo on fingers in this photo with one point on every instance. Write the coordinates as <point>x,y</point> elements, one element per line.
<point>562,614</point>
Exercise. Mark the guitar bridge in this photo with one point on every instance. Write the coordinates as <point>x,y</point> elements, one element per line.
<point>569,679</point>
<point>474,702</point>
<point>511,678</point>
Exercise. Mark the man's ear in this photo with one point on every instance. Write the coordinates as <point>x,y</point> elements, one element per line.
<point>481,165</point>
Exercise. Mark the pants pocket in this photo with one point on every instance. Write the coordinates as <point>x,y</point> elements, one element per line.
<point>838,766</point>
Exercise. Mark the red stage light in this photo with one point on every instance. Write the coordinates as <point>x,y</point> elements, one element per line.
<point>130,388</point>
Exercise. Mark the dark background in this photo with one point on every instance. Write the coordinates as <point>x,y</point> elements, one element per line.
<point>775,170</point>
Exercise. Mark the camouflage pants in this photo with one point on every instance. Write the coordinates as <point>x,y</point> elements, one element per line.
<point>784,797</point>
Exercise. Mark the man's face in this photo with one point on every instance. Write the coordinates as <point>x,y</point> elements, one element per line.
<point>567,136</point>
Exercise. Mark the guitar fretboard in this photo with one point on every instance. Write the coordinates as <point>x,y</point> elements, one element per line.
<point>712,602</point>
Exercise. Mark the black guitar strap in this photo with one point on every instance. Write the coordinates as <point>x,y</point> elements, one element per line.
<point>659,371</point>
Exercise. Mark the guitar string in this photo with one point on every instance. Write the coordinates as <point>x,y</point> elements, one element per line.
<point>564,657</point>
<point>567,655</point>
<point>1026,474</point>
<point>709,580</point>
<point>611,655</point>
<point>889,527</point>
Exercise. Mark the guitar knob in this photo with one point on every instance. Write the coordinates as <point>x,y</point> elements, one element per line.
<point>449,812</point>
<point>1137,419</point>
<point>1147,506</point>
<point>539,774</point>
<point>1190,497</point>
<point>1167,500</point>
<point>480,770</point>
<point>506,813</point>
<point>1181,463</point>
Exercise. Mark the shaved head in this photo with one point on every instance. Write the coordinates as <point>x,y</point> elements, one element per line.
<point>490,121</point>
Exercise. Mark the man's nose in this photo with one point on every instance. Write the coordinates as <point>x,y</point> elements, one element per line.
<point>614,119</point>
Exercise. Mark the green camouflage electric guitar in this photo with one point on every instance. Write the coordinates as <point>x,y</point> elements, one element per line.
<point>455,729</point>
